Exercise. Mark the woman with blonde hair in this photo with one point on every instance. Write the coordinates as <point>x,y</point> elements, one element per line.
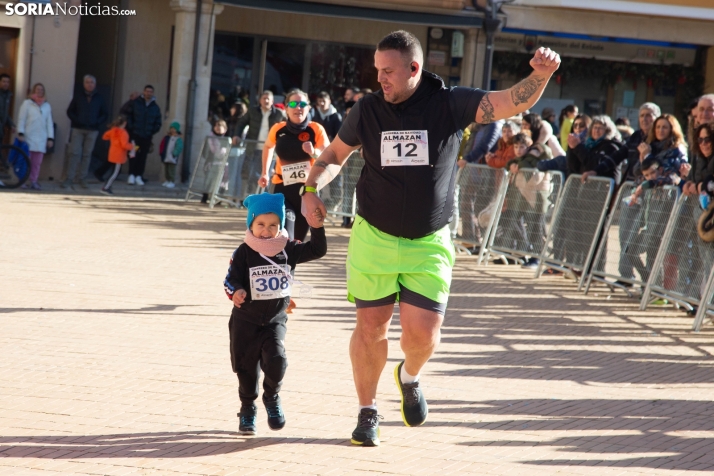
<point>35,127</point>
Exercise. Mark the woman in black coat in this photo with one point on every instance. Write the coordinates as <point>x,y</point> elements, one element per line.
<point>594,155</point>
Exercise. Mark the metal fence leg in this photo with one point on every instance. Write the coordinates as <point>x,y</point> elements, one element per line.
<point>659,259</point>
<point>487,243</point>
<point>704,303</point>
<point>598,231</point>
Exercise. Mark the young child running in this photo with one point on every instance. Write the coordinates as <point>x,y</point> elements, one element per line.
<point>259,283</point>
<point>119,146</point>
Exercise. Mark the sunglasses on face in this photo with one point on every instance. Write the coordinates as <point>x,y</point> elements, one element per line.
<point>704,140</point>
<point>294,104</point>
<point>578,126</point>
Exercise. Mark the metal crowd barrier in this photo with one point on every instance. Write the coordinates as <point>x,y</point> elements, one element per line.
<point>684,265</point>
<point>522,222</point>
<point>633,229</point>
<point>210,167</point>
<point>241,174</point>
<point>706,305</point>
<point>577,224</point>
<point>479,194</point>
<point>339,195</point>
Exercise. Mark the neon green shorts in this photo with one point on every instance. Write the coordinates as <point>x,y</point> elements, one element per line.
<point>377,263</point>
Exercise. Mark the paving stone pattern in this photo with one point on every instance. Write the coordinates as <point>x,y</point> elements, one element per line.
<point>114,360</point>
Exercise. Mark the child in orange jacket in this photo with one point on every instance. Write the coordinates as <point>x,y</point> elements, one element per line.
<point>118,148</point>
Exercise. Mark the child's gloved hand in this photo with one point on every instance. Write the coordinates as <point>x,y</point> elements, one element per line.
<point>239,297</point>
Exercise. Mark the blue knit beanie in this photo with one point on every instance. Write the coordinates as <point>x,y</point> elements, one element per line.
<point>265,203</point>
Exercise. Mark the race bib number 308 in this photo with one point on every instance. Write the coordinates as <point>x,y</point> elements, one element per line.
<point>268,282</point>
<point>405,148</point>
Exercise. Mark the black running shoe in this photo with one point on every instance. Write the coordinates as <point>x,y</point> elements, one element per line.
<point>247,420</point>
<point>367,431</point>
<point>414,408</point>
<point>276,417</point>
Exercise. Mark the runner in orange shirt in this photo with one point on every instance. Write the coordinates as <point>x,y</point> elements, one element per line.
<point>296,142</point>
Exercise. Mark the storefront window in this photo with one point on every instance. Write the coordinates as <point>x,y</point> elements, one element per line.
<point>284,65</point>
<point>232,71</point>
<point>334,68</point>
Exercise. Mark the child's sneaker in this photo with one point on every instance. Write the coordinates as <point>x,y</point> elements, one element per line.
<point>276,417</point>
<point>170,185</point>
<point>107,191</point>
<point>247,417</point>
<point>131,180</point>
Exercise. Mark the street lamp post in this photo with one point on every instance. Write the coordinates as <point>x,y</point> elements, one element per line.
<point>491,24</point>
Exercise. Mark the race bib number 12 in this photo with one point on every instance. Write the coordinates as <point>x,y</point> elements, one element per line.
<point>405,148</point>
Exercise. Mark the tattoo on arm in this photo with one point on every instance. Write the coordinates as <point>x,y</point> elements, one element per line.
<point>486,110</point>
<point>320,163</point>
<point>523,91</point>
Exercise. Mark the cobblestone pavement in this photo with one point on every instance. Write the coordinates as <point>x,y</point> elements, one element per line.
<point>114,360</point>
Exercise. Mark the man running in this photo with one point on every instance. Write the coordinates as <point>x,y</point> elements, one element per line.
<point>400,247</point>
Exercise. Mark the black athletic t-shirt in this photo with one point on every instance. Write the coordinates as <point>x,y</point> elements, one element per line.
<point>410,201</point>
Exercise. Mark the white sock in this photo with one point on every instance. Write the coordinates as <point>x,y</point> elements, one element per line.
<point>371,407</point>
<point>405,377</point>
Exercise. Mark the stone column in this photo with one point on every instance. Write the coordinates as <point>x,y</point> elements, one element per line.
<point>181,69</point>
<point>469,60</point>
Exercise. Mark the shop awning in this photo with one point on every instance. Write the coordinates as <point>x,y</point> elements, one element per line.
<point>467,20</point>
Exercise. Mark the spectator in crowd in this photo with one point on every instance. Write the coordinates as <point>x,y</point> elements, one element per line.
<point>654,175</point>
<point>666,142</point>
<point>361,93</point>
<point>260,120</point>
<point>170,150</point>
<point>528,202</point>
<point>623,125</point>
<point>542,133</point>
<point>350,94</point>
<point>143,121</point>
<point>627,160</point>
<point>703,153</point>
<point>652,230</point>
<point>35,126</point>
<point>692,124</point>
<point>705,109</point>
<point>504,152</point>
<point>237,111</point>
<point>593,156</point>
<point>548,115</point>
<point>326,115</point>
<point>5,104</point>
<point>567,118</point>
<point>88,113</point>
<point>486,140</point>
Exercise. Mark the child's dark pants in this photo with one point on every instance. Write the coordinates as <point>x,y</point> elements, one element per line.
<point>255,347</point>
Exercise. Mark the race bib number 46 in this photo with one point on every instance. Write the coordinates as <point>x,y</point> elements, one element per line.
<point>295,173</point>
<point>405,148</point>
<point>268,282</point>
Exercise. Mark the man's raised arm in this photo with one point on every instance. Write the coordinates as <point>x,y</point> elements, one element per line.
<point>504,104</point>
<point>323,171</point>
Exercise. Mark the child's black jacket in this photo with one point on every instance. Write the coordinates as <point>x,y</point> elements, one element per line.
<point>267,311</point>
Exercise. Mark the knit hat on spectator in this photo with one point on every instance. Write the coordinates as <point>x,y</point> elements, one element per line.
<point>265,203</point>
<point>176,126</point>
